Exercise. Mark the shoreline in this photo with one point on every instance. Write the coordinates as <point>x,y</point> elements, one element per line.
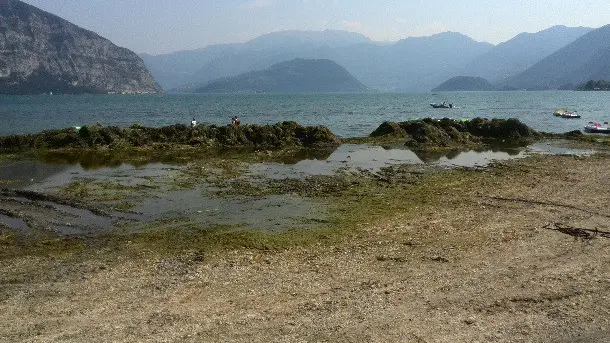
<point>471,260</point>
<point>467,254</point>
<point>425,133</point>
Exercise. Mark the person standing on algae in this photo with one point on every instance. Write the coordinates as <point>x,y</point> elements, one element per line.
<point>235,121</point>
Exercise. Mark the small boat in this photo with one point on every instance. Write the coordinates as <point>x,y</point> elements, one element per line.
<point>597,127</point>
<point>563,113</point>
<point>442,105</point>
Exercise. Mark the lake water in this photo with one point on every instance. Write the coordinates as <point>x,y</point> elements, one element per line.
<point>347,115</point>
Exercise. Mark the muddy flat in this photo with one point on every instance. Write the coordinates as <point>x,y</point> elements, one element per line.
<point>517,252</point>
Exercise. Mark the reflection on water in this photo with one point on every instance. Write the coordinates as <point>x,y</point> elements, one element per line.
<point>373,158</point>
<point>470,158</point>
<point>474,158</point>
<point>99,159</point>
<point>350,156</point>
<point>157,194</point>
<point>21,174</point>
<point>59,169</point>
<point>556,148</point>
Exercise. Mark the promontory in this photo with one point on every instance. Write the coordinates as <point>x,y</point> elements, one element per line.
<point>295,76</point>
<point>43,53</point>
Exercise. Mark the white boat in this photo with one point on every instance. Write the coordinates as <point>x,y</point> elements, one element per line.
<point>597,127</point>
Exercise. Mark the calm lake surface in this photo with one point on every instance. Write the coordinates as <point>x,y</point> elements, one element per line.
<point>347,115</point>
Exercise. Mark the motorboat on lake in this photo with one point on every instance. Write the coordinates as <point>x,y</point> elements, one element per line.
<point>597,127</point>
<point>442,105</point>
<point>563,113</point>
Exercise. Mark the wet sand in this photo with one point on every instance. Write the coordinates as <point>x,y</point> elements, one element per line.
<point>486,255</point>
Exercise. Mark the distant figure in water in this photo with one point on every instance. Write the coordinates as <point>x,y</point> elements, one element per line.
<point>235,121</point>
<point>193,122</point>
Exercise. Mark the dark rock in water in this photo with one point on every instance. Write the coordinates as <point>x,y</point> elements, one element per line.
<point>286,134</point>
<point>446,133</point>
<point>43,53</point>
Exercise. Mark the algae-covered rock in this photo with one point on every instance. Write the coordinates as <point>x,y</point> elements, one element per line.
<point>448,133</point>
<point>573,134</point>
<point>286,134</point>
<point>503,129</point>
<point>388,128</point>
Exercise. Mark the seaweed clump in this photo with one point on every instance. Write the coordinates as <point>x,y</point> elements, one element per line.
<point>285,134</point>
<point>450,133</point>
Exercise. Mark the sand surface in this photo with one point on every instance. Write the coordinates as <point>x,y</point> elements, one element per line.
<point>482,265</point>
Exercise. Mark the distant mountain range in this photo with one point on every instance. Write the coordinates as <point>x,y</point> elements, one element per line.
<point>43,53</point>
<point>583,59</point>
<point>296,76</point>
<point>516,55</point>
<point>417,63</point>
<point>587,58</point>
<point>192,69</point>
<point>414,64</point>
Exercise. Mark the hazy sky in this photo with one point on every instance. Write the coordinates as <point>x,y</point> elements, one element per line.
<point>160,26</point>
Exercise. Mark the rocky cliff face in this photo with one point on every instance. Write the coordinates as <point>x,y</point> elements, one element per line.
<point>41,53</point>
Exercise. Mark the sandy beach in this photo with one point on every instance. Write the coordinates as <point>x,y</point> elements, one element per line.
<point>491,255</point>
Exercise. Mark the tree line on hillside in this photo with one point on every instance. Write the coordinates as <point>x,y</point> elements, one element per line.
<point>600,85</point>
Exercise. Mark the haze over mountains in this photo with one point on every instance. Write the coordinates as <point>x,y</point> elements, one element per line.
<point>379,66</point>
<point>465,83</point>
<point>198,67</point>
<point>40,52</point>
<point>587,58</point>
<point>414,64</point>
<point>516,55</point>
